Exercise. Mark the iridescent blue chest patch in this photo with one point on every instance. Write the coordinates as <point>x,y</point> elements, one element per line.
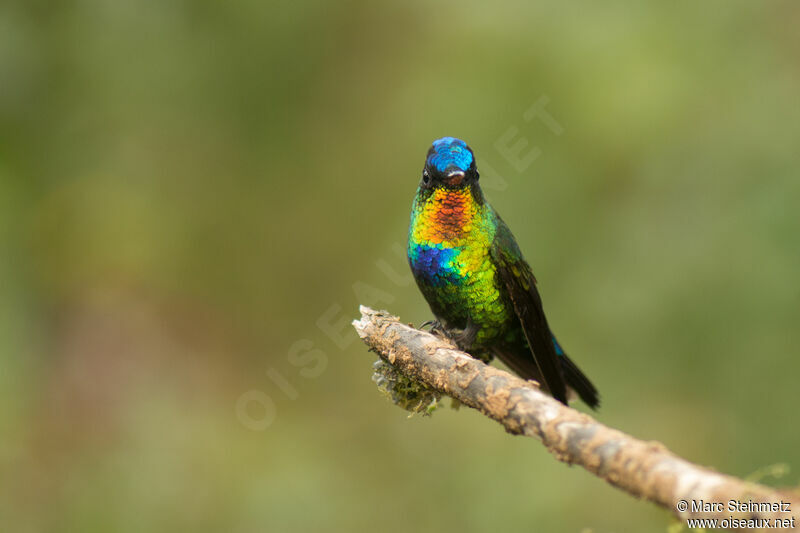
<point>434,264</point>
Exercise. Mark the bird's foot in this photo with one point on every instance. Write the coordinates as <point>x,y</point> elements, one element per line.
<point>433,324</point>
<point>436,328</point>
<point>464,338</point>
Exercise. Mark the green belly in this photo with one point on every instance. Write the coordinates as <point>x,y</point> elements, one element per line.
<point>475,295</point>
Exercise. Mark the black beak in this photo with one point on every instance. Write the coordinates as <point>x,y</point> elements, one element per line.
<point>454,177</point>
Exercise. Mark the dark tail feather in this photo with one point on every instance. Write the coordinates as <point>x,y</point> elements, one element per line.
<point>579,382</point>
<point>521,362</point>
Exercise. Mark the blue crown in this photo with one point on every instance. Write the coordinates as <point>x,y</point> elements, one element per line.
<point>449,151</point>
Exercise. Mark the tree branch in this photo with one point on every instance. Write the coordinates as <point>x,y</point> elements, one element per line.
<point>643,469</point>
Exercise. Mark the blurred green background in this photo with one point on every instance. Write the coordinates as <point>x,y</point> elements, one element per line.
<point>190,192</point>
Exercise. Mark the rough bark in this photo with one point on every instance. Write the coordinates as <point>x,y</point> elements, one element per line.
<point>643,469</point>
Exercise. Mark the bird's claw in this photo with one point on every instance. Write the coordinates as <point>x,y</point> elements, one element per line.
<point>432,323</point>
<point>464,338</point>
<point>436,328</point>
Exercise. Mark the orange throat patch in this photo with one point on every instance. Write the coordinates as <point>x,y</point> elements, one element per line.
<point>450,213</point>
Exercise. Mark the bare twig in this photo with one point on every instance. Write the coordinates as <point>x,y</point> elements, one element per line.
<point>643,469</point>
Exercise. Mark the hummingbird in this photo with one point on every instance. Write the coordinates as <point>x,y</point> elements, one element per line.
<point>471,271</point>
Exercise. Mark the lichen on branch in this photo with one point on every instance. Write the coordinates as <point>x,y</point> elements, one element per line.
<point>643,469</point>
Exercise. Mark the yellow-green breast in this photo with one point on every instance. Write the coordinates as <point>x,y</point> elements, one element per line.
<point>449,242</point>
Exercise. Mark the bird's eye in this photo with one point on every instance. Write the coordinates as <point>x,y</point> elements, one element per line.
<point>426,178</point>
